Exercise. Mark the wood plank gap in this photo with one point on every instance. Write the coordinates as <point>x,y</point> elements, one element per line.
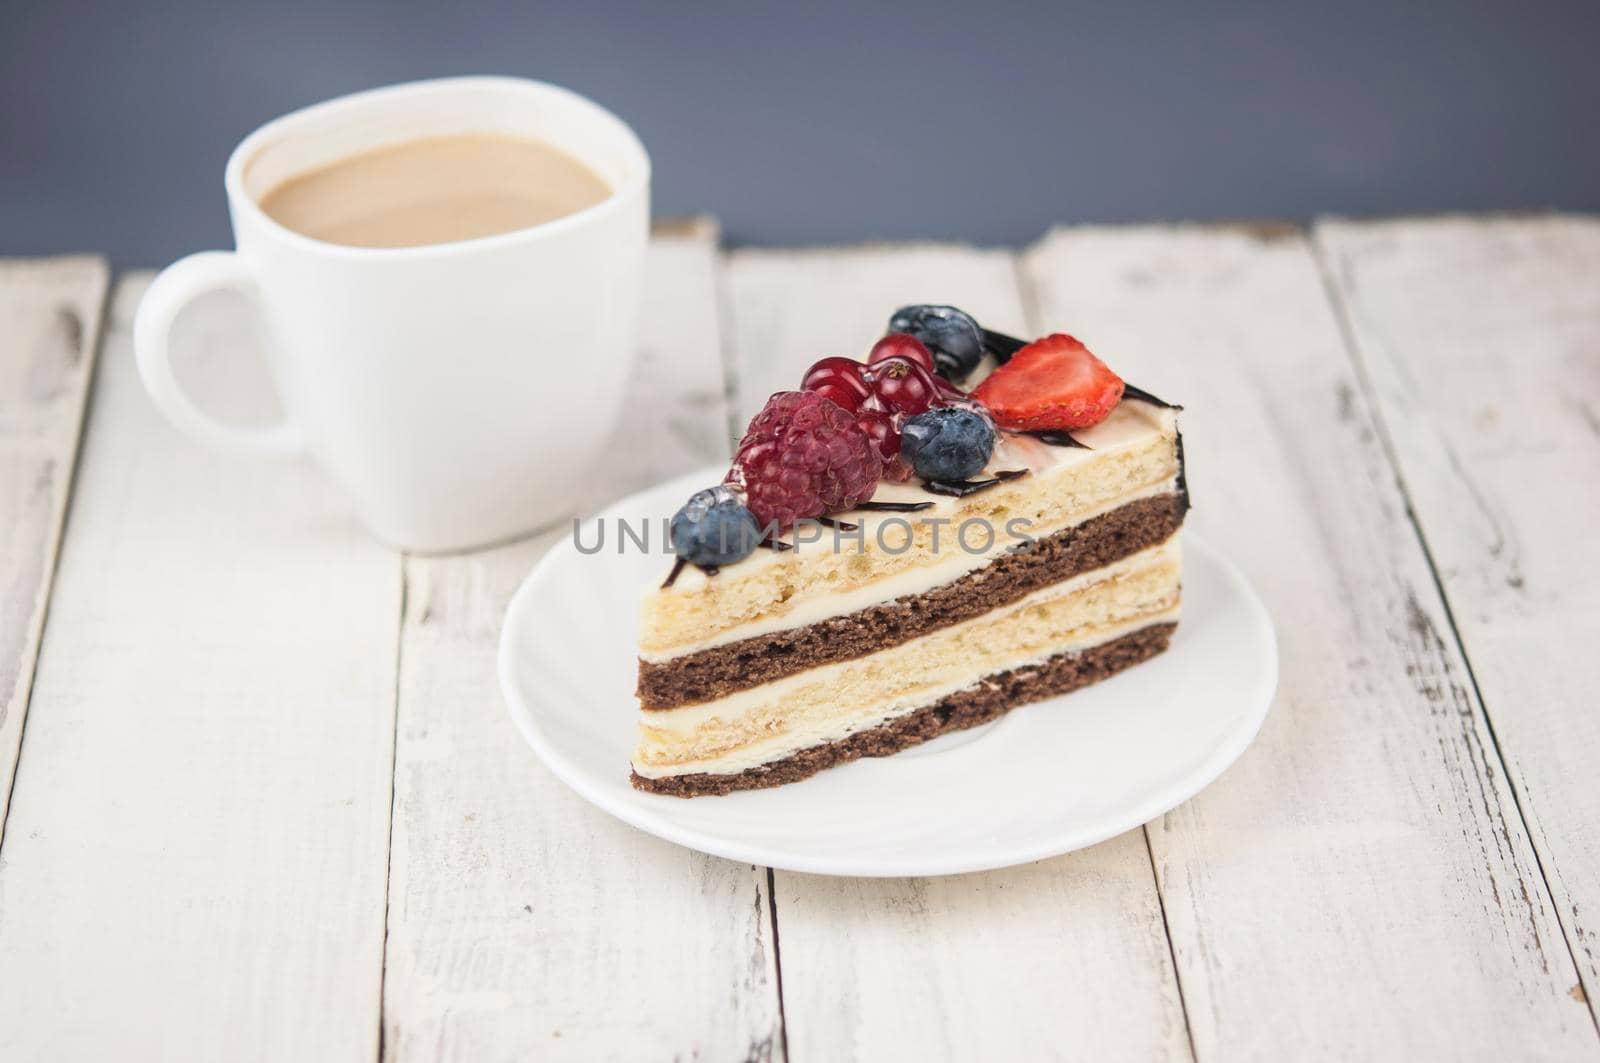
<point>53,559</point>
<point>196,851</point>
<point>777,959</point>
<point>1028,293</point>
<point>68,420</point>
<point>1380,418</point>
<point>1172,951</point>
<point>394,758</point>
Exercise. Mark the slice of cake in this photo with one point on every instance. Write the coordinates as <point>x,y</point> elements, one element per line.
<point>892,558</point>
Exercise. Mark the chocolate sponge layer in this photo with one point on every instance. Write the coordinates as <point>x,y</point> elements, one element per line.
<point>966,708</point>
<point>722,670</point>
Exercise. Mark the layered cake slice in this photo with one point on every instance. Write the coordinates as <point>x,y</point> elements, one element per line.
<point>892,557</point>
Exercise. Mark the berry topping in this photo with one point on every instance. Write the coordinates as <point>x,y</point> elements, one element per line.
<point>952,335</point>
<point>901,345</point>
<point>879,427</point>
<point>803,456</point>
<point>839,380</point>
<point>948,392</point>
<point>900,385</point>
<point>714,529</point>
<point>949,444</point>
<point>1053,382</point>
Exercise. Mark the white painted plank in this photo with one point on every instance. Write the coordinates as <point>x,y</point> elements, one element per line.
<point>1060,959</point>
<point>524,923</point>
<point>49,334</point>
<point>1481,344</point>
<point>1359,885</point>
<point>1065,957</point>
<point>194,867</point>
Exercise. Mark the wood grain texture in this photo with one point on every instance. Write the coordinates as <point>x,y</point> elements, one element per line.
<point>49,335</point>
<point>524,923</point>
<point>1359,885</point>
<point>1406,865</point>
<point>1480,341</point>
<point>1063,958</point>
<point>194,867</point>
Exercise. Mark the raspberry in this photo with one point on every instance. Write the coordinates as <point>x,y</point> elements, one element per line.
<point>803,456</point>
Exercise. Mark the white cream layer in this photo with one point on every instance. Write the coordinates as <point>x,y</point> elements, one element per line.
<point>662,730</point>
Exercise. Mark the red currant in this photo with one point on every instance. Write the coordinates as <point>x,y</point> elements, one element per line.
<point>838,380</point>
<point>901,345</point>
<point>902,386</point>
<point>948,392</point>
<point>879,426</point>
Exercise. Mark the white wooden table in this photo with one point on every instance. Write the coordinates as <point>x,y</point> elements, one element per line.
<point>265,801</point>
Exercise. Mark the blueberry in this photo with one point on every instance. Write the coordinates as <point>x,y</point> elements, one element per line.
<point>952,335</point>
<point>714,529</point>
<point>949,443</point>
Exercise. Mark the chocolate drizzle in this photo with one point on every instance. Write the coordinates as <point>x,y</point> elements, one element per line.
<point>1057,438</point>
<point>895,507</point>
<point>1183,479</point>
<point>1001,346</point>
<point>1132,391</point>
<point>841,525</point>
<point>963,488</point>
<point>679,564</point>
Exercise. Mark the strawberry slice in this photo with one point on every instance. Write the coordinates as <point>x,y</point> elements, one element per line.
<point>1053,382</point>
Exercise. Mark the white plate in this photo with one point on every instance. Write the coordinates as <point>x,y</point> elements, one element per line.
<point>1043,779</point>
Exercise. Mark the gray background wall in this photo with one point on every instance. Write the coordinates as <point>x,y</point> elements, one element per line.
<point>823,122</point>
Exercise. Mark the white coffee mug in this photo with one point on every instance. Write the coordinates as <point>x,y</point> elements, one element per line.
<point>459,392</point>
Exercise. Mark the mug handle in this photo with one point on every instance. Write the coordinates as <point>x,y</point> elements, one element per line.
<point>168,295</point>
